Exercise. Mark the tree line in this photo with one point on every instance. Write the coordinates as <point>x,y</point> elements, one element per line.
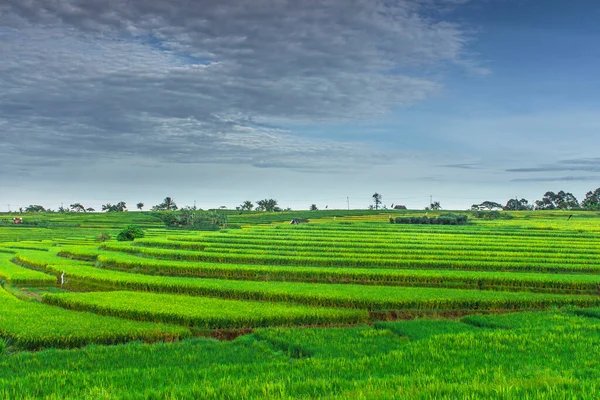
<point>550,201</point>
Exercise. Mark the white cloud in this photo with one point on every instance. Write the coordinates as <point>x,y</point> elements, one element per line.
<point>189,81</point>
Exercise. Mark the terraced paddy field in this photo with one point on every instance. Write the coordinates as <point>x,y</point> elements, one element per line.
<point>346,306</point>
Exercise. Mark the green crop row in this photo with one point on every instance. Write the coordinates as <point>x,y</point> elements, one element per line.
<point>424,237</point>
<point>390,237</point>
<point>203,312</point>
<point>509,281</point>
<point>30,325</point>
<point>414,254</point>
<point>200,242</point>
<point>398,249</point>
<point>337,295</point>
<point>480,229</point>
<point>353,262</point>
<point>18,275</point>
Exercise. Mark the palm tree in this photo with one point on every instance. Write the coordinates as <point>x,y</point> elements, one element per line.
<point>167,204</point>
<point>77,207</point>
<point>435,206</point>
<point>247,205</point>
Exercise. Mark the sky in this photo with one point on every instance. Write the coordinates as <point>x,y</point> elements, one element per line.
<point>320,102</point>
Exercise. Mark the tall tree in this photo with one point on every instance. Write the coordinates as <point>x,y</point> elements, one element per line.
<point>376,200</point>
<point>247,205</point>
<point>140,206</point>
<point>33,208</point>
<point>435,206</point>
<point>77,207</point>
<point>267,205</point>
<point>119,207</point>
<point>313,207</point>
<point>516,205</point>
<point>167,204</point>
<point>592,200</point>
<point>561,200</point>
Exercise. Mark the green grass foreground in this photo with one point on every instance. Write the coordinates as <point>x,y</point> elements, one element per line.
<point>30,325</point>
<point>550,355</point>
<point>353,270</point>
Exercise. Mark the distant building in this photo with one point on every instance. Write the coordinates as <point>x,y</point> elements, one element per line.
<point>399,207</point>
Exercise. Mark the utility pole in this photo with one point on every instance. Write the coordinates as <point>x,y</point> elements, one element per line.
<point>194,204</point>
<point>9,208</point>
<point>348,202</point>
<point>430,200</point>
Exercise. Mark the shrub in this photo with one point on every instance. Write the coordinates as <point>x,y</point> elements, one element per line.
<point>193,219</point>
<point>103,237</point>
<point>444,219</point>
<point>492,215</point>
<point>2,347</point>
<point>130,233</point>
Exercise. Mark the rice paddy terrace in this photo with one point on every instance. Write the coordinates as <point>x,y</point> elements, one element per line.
<point>346,306</point>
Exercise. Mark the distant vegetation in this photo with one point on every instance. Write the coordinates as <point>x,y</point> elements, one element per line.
<point>560,200</point>
<point>130,233</point>
<point>193,219</point>
<point>444,219</point>
<point>491,215</point>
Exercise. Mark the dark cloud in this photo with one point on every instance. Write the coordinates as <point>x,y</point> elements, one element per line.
<point>583,164</point>
<point>463,166</point>
<point>202,82</point>
<point>559,179</point>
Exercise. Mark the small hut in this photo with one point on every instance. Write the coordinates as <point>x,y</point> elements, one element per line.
<point>297,221</point>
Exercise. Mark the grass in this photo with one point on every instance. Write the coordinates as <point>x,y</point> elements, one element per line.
<point>31,326</point>
<point>18,275</point>
<point>323,363</point>
<point>356,263</point>
<point>202,312</point>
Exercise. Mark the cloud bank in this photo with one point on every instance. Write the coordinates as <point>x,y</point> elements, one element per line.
<point>174,81</point>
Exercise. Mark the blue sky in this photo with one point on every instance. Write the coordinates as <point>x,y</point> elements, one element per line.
<point>300,101</point>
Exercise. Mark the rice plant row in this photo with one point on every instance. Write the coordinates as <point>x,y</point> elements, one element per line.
<point>511,281</point>
<point>202,242</point>
<point>18,275</point>
<point>337,295</point>
<point>31,325</point>
<point>541,265</point>
<point>203,312</point>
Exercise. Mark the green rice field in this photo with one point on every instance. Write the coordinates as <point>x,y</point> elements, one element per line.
<point>345,306</point>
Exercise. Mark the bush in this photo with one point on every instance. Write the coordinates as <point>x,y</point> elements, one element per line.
<point>492,215</point>
<point>444,219</point>
<point>193,219</point>
<point>130,233</point>
<point>2,347</point>
<point>103,237</point>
